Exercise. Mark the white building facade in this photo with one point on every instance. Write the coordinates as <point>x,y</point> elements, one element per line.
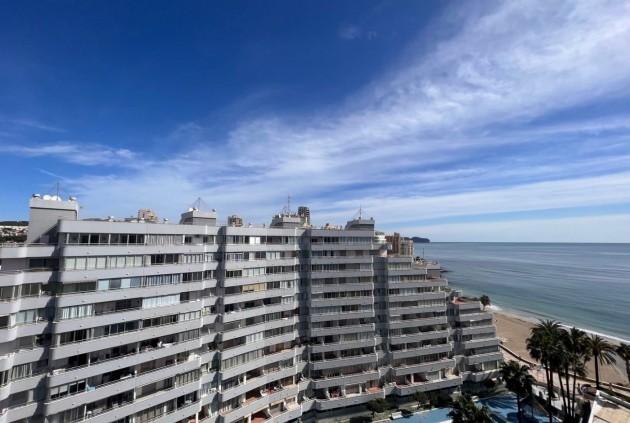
<point>132,321</point>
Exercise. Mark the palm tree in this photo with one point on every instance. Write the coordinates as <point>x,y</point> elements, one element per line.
<point>464,410</point>
<point>601,351</point>
<point>484,300</point>
<point>518,380</point>
<point>574,341</point>
<point>544,345</point>
<point>623,351</point>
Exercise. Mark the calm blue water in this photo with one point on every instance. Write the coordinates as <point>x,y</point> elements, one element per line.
<point>504,405</point>
<point>583,285</point>
<point>437,415</point>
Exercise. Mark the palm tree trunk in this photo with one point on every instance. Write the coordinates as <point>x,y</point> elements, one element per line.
<point>518,407</point>
<point>574,386</point>
<point>564,399</point>
<point>568,390</point>
<point>549,392</point>
<point>596,372</point>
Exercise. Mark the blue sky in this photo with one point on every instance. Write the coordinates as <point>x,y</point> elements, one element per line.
<point>458,121</point>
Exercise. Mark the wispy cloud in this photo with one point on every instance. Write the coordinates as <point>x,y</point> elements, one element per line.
<point>350,32</point>
<point>354,32</point>
<point>78,153</point>
<point>460,129</point>
<point>35,125</point>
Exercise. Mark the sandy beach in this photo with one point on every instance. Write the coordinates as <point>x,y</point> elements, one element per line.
<point>513,332</point>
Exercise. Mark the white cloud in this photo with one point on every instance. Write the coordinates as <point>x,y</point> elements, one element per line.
<point>78,153</point>
<point>419,142</point>
<point>350,32</point>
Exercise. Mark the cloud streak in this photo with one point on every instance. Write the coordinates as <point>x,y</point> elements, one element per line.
<point>78,153</point>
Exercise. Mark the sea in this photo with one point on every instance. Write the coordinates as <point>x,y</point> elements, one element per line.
<point>581,285</point>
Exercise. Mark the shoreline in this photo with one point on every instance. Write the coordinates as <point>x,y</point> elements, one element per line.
<point>513,331</point>
<point>534,320</point>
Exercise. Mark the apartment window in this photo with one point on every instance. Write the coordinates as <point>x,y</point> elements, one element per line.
<point>161,301</point>
<point>254,337</point>
<point>242,359</point>
<point>44,263</point>
<point>123,283</point>
<point>193,315</point>
<point>188,335</point>
<point>256,271</point>
<point>76,312</point>
<point>155,280</point>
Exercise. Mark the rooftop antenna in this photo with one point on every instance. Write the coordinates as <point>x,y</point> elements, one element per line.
<point>359,214</point>
<point>57,187</point>
<point>198,203</point>
<point>287,208</point>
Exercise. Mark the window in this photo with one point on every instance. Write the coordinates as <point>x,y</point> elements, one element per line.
<point>162,301</point>
<point>76,312</point>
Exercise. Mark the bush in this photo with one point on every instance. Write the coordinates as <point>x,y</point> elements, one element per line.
<point>489,383</point>
<point>444,400</point>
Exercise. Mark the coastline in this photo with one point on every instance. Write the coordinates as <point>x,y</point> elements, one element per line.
<point>533,319</point>
<point>513,331</point>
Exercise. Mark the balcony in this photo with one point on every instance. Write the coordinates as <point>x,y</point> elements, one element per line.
<point>252,404</point>
<point>344,361</point>
<point>335,346</point>
<point>425,350</point>
<point>417,337</point>
<point>270,358</point>
<point>331,381</point>
<point>256,382</point>
<point>338,330</point>
<point>428,385</point>
<point>480,343</point>
<point>481,375</point>
<point>468,317</point>
<point>482,358</point>
<point>431,366</point>
<point>427,321</point>
<point>348,400</point>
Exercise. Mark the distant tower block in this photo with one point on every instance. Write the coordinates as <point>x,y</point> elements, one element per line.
<point>235,220</point>
<point>305,213</point>
<point>148,215</point>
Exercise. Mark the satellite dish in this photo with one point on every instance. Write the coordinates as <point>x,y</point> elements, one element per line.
<point>47,197</point>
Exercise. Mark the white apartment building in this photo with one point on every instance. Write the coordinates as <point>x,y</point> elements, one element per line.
<point>134,321</point>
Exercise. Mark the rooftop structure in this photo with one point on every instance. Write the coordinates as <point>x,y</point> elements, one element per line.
<point>127,321</point>
<point>148,215</point>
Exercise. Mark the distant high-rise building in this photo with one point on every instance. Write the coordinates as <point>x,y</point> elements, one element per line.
<point>148,215</point>
<point>235,220</point>
<point>305,213</point>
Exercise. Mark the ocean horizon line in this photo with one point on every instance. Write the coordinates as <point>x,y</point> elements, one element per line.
<point>523,242</point>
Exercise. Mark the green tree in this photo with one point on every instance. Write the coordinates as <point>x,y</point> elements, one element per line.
<point>602,352</point>
<point>378,405</point>
<point>623,351</point>
<point>464,410</point>
<point>421,397</point>
<point>518,380</point>
<point>545,345</point>
<point>484,300</point>
<point>574,341</point>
